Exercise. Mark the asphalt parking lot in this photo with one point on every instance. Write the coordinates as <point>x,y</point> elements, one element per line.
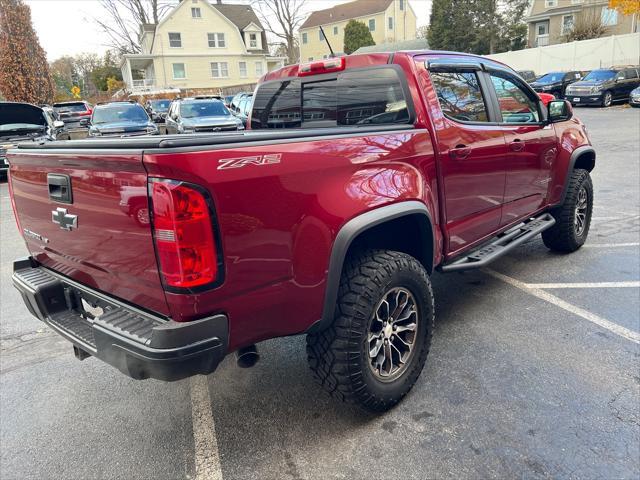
<point>534,373</point>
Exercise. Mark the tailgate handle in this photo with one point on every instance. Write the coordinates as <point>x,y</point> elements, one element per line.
<point>59,188</point>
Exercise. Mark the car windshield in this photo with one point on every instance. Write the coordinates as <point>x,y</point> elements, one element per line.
<point>203,109</point>
<point>160,105</point>
<point>599,75</point>
<point>552,77</point>
<point>70,107</point>
<point>119,113</point>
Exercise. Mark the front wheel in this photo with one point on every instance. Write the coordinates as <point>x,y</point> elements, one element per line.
<point>607,99</point>
<point>375,349</point>
<point>573,217</point>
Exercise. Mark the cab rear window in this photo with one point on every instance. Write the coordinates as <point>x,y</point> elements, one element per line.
<point>355,97</point>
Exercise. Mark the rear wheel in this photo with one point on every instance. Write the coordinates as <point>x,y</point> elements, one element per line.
<point>573,217</point>
<point>376,347</point>
<point>607,99</point>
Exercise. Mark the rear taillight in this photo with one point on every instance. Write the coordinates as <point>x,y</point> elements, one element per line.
<point>85,113</point>
<point>183,234</point>
<point>13,201</point>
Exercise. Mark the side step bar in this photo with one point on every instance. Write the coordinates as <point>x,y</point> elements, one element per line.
<point>501,245</point>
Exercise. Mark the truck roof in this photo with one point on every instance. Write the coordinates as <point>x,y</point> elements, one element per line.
<point>372,59</point>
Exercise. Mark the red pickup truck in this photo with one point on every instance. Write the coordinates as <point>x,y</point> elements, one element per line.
<point>358,178</point>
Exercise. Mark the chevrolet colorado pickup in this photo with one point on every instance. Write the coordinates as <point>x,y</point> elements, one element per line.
<point>358,178</point>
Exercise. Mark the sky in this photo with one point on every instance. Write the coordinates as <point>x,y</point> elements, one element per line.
<point>65,27</point>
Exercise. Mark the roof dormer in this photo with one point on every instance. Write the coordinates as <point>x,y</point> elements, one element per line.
<point>252,37</point>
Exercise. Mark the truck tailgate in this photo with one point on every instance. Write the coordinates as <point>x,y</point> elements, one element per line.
<point>108,244</point>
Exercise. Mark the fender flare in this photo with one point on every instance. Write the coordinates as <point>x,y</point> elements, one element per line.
<point>345,237</point>
<point>572,162</point>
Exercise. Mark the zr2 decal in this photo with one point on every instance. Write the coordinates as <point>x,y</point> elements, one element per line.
<point>268,159</point>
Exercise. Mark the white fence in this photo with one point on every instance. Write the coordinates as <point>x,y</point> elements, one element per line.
<point>583,55</point>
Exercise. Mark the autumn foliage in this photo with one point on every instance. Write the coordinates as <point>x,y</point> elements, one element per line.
<point>627,7</point>
<point>24,71</point>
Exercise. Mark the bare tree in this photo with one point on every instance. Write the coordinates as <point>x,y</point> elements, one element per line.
<point>282,18</point>
<point>121,21</point>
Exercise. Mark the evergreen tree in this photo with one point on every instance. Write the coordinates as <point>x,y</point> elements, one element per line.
<point>24,71</point>
<point>452,25</point>
<point>356,35</point>
<point>478,26</point>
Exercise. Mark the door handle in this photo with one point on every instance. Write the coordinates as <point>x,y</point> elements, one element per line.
<point>460,152</point>
<point>517,145</point>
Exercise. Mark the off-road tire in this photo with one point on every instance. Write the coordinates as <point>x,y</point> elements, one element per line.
<point>338,355</point>
<point>564,236</point>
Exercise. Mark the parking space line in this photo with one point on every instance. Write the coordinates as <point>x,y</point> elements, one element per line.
<point>584,285</point>
<point>558,302</point>
<point>611,245</point>
<point>204,433</point>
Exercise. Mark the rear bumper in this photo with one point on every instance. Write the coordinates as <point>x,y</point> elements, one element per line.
<point>135,342</point>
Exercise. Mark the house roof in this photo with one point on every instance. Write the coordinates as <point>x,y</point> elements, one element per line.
<point>241,16</point>
<point>346,11</point>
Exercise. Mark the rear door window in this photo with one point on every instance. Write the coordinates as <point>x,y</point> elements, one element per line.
<point>355,97</point>
<point>460,96</point>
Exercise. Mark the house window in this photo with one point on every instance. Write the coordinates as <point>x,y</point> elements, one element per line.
<point>179,71</point>
<point>321,35</point>
<point>216,40</point>
<point>253,40</point>
<point>567,24</point>
<point>335,30</point>
<point>243,69</point>
<point>219,69</point>
<point>390,23</point>
<point>258,69</point>
<point>401,4</point>
<point>372,24</point>
<point>175,40</point>
<point>550,3</point>
<point>310,59</point>
<point>196,13</point>
<point>609,16</point>
<point>576,2</point>
<point>304,38</point>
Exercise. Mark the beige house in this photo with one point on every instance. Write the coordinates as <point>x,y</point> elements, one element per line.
<point>388,20</point>
<point>200,46</point>
<point>550,20</point>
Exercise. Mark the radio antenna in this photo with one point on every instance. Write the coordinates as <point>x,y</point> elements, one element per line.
<point>327,40</point>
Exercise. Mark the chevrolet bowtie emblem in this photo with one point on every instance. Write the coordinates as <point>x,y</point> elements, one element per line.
<point>66,221</point>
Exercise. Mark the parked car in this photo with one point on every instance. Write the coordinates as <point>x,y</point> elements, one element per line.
<point>59,131</point>
<point>546,98</point>
<point>157,109</point>
<point>235,101</point>
<point>23,123</point>
<point>120,119</point>
<point>244,108</point>
<point>197,115</point>
<point>634,97</point>
<point>555,83</point>
<point>604,86</point>
<point>331,232</point>
<point>527,75</point>
<point>72,113</point>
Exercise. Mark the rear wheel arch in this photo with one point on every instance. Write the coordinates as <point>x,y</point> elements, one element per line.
<point>404,227</point>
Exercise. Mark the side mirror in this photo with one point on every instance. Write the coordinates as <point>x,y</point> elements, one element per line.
<point>560,111</point>
<point>58,124</point>
<point>619,78</point>
<point>85,122</point>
